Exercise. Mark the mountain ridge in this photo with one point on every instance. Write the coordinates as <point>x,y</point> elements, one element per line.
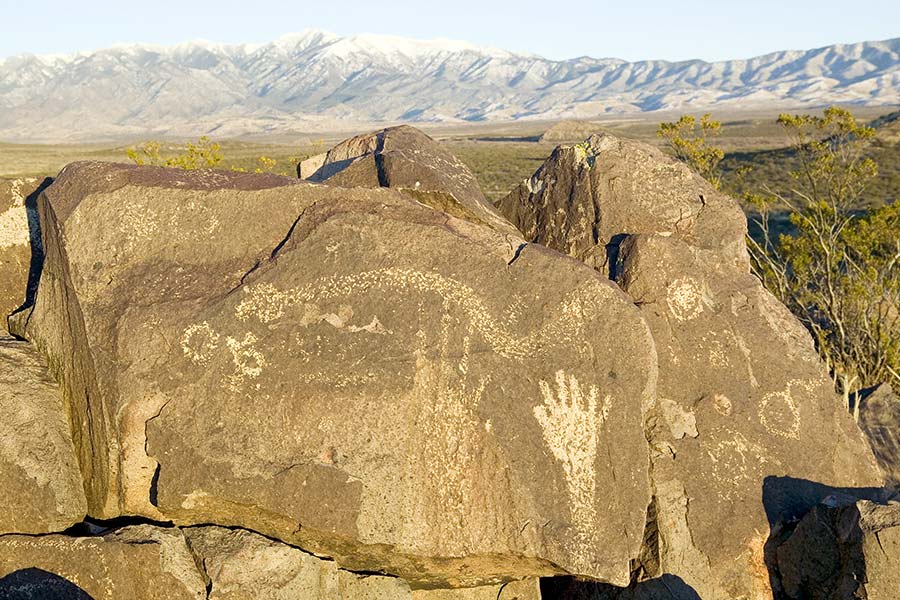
<point>316,80</point>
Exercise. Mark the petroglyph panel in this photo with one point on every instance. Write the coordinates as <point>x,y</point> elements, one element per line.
<point>356,374</point>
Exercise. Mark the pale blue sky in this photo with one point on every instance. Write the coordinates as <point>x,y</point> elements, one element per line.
<point>629,29</point>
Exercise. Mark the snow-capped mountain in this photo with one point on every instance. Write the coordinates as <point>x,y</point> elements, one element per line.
<point>316,80</point>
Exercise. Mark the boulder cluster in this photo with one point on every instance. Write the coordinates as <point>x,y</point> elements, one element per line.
<point>370,383</point>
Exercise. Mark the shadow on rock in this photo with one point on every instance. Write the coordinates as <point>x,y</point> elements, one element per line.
<point>800,539</point>
<point>37,584</point>
<point>37,245</point>
<point>667,587</point>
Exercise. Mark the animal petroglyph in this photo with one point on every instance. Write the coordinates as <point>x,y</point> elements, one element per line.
<point>267,304</point>
<point>571,418</point>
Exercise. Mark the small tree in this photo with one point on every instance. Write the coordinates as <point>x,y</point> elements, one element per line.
<point>691,144</point>
<point>839,273</point>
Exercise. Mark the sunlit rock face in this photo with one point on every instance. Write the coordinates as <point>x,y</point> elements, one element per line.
<point>746,431</point>
<point>20,243</point>
<point>347,370</point>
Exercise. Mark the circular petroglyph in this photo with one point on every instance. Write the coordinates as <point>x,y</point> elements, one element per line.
<point>780,415</point>
<point>685,299</point>
<point>199,342</point>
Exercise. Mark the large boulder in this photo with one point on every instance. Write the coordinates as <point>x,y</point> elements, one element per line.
<point>879,418</point>
<point>345,370</point>
<point>585,197</point>
<point>742,398</point>
<point>139,562</point>
<point>405,158</point>
<point>242,564</point>
<point>40,484</point>
<point>20,242</point>
<point>843,551</point>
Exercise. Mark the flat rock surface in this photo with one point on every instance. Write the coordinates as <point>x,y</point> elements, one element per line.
<point>241,564</point>
<point>406,158</point>
<point>139,562</point>
<point>357,374</point>
<point>40,484</point>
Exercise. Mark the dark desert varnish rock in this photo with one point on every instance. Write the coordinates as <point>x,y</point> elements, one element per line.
<point>346,370</point>
<point>743,399</point>
<point>405,158</point>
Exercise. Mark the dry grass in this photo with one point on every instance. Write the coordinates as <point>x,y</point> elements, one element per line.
<point>501,155</point>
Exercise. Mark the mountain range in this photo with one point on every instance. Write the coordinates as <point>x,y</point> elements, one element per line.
<point>317,81</point>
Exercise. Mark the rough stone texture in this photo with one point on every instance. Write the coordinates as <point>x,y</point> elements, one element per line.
<point>242,564</point>
<point>879,419</point>
<point>843,553</point>
<point>743,398</point>
<point>40,486</point>
<point>357,374</point>
<point>585,197</point>
<point>407,159</point>
<point>18,237</point>
<point>140,562</point>
<point>746,423</point>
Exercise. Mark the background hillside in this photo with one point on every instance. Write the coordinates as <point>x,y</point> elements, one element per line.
<point>317,81</point>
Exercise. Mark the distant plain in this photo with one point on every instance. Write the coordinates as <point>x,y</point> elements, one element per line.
<point>500,154</point>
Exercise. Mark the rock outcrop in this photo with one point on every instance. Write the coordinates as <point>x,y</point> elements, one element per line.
<point>586,197</point>
<point>307,168</point>
<point>879,419</point>
<point>407,159</point>
<point>20,242</point>
<point>571,131</point>
<point>140,562</point>
<point>745,414</point>
<point>40,485</point>
<point>345,370</point>
<point>274,388</point>
<point>842,552</point>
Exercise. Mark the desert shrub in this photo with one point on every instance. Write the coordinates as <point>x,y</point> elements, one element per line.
<point>689,140</point>
<point>202,154</point>
<point>835,266</point>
